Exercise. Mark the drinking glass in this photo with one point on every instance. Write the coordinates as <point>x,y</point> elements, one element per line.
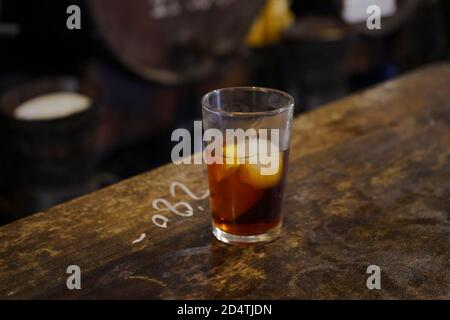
<point>248,166</point>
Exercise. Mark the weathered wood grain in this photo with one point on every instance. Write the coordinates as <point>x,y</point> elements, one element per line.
<point>369,183</point>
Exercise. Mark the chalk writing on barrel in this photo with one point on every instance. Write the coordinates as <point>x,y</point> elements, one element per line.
<point>181,208</point>
<point>161,9</point>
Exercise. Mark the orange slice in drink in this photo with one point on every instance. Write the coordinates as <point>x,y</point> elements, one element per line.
<point>232,198</point>
<point>231,156</point>
<point>260,175</point>
<point>220,171</point>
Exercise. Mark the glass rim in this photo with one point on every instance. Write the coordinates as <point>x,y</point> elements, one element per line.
<point>289,105</point>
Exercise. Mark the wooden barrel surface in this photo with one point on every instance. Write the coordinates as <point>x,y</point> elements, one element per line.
<point>368,184</point>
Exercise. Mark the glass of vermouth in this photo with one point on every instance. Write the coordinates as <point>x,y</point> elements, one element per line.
<point>247,137</point>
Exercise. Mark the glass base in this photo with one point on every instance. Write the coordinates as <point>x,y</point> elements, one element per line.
<point>236,239</point>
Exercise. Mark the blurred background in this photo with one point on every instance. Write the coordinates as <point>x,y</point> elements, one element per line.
<point>142,67</point>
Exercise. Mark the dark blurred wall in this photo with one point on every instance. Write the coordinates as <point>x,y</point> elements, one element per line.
<point>43,44</point>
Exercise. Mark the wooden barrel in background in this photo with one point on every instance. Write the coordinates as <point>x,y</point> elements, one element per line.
<point>173,41</point>
<point>49,160</point>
